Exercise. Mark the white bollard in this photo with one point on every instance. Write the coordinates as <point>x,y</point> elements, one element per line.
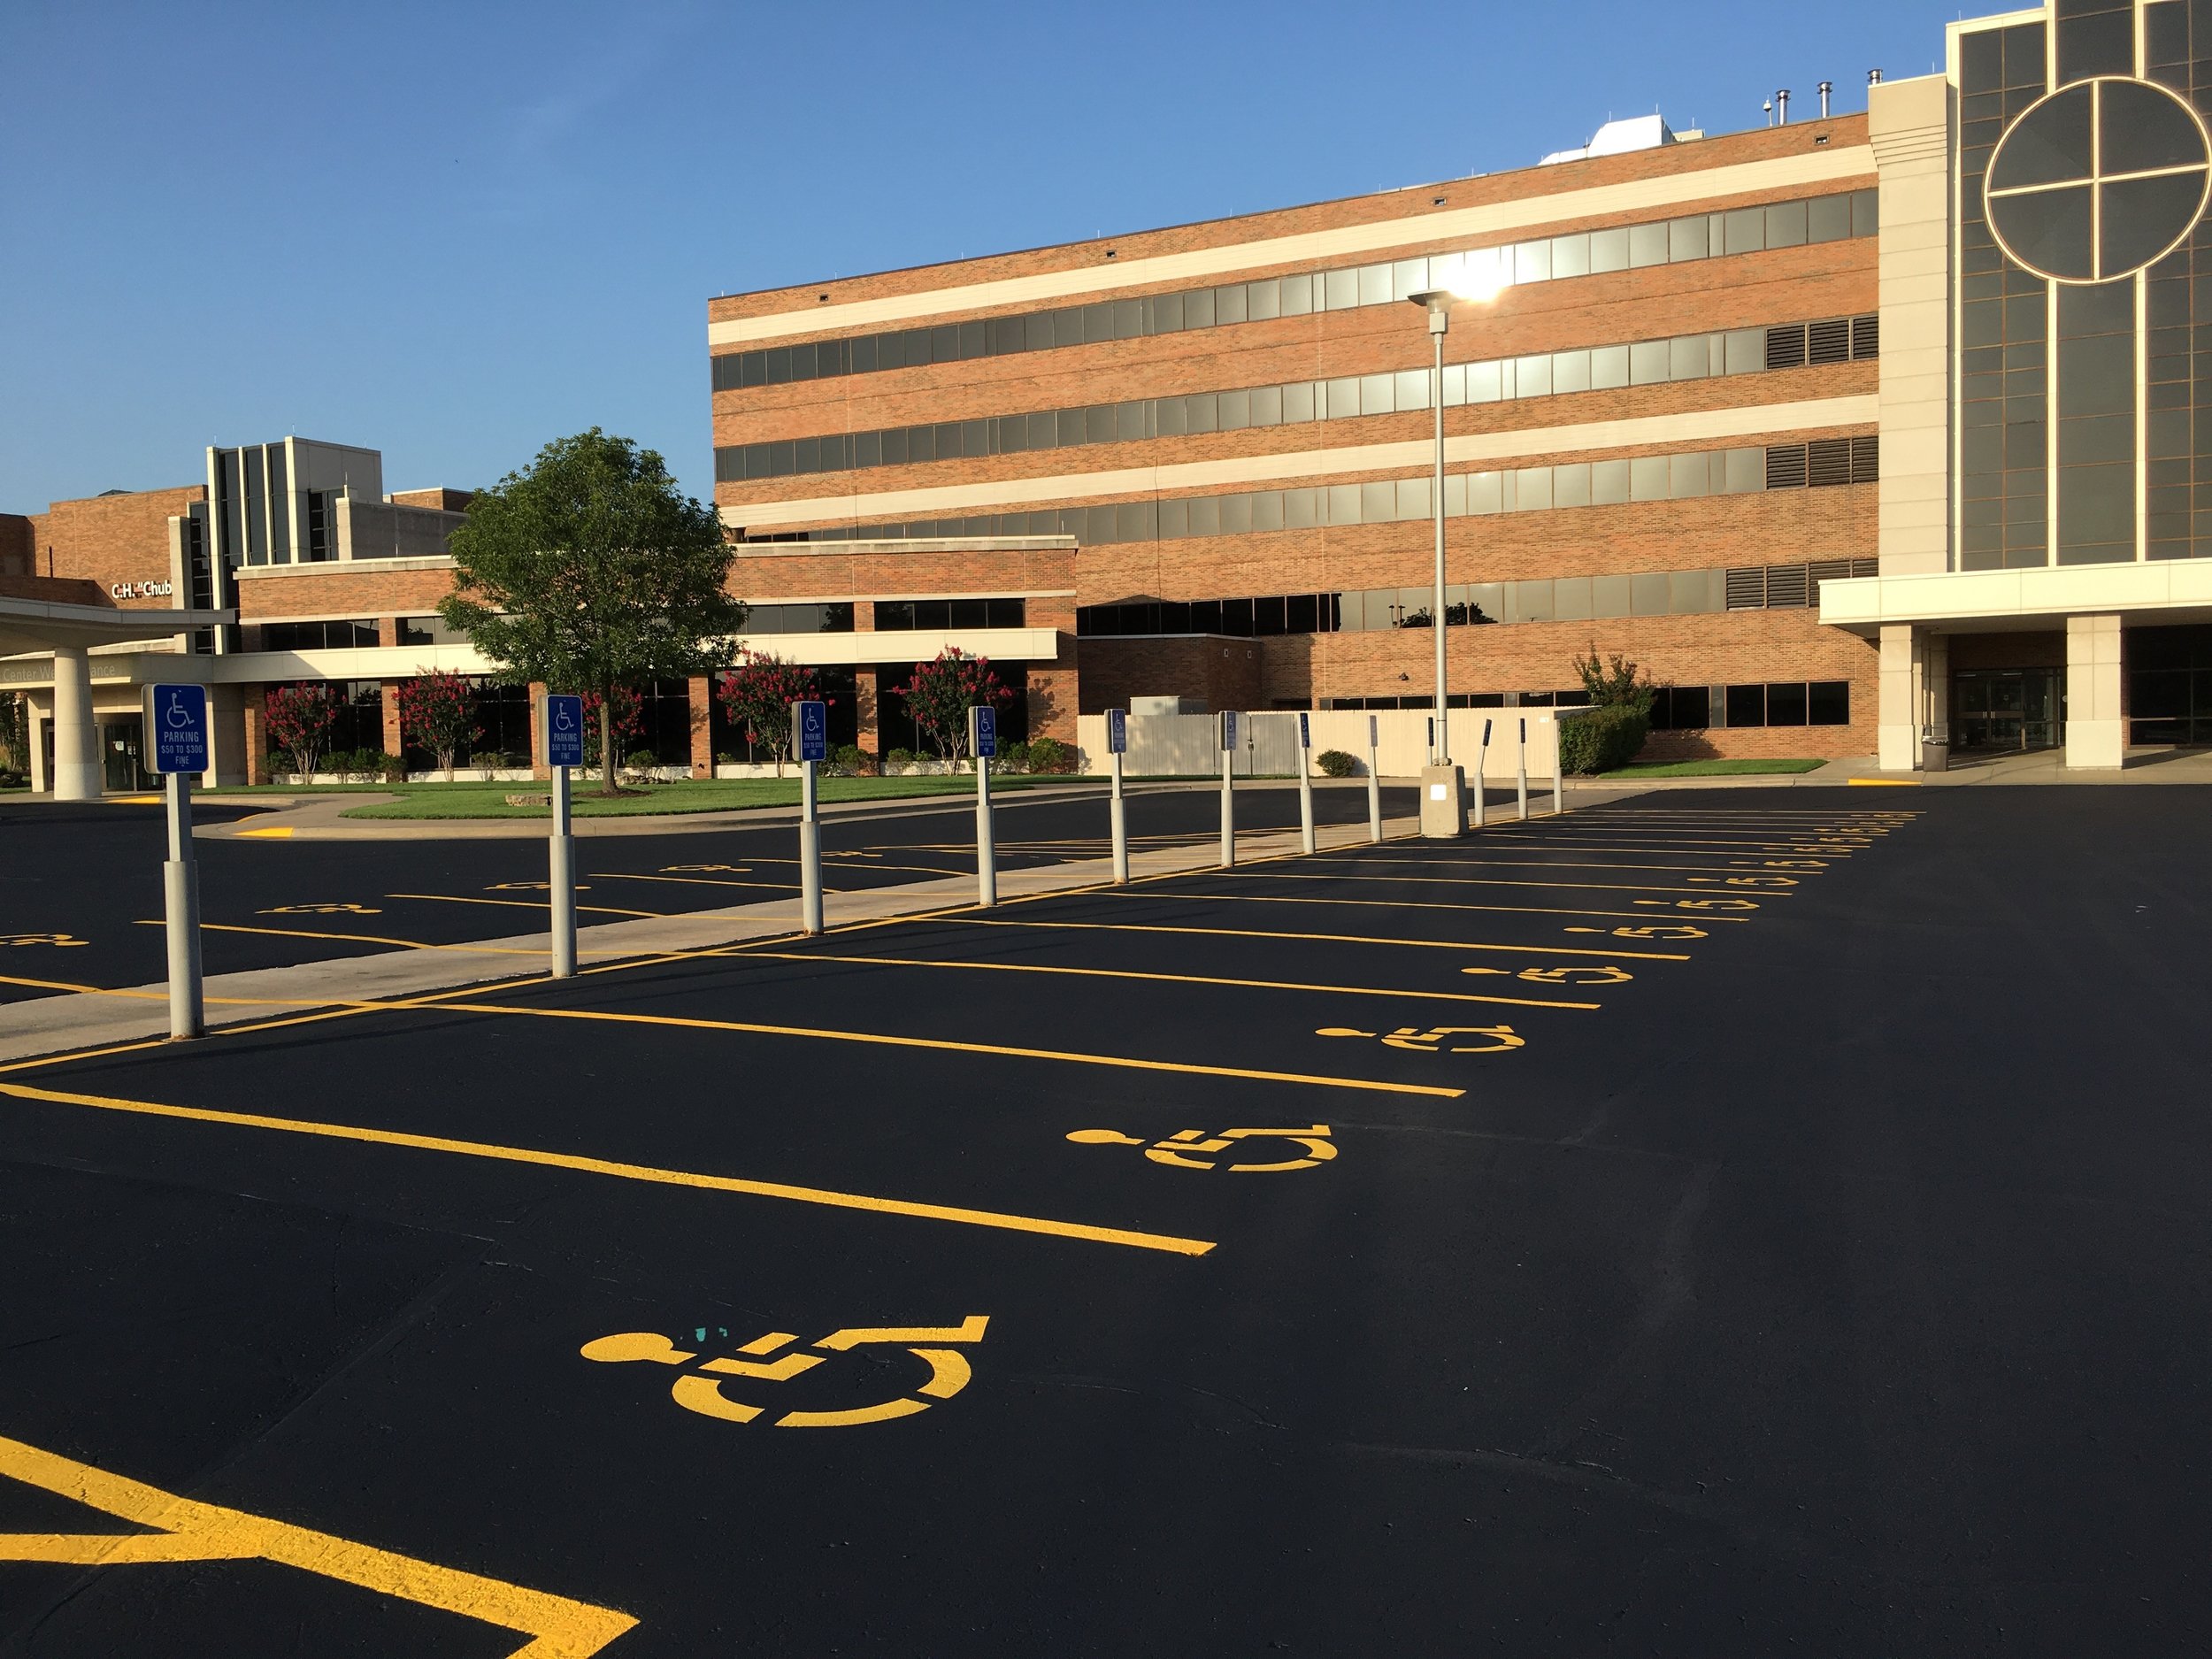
<point>809,853</point>
<point>1482,756</point>
<point>983,744</point>
<point>1305,784</point>
<point>562,891</point>
<point>1520,768</point>
<point>181,896</point>
<point>1228,789</point>
<point>1119,817</point>
<point>1374,780</point>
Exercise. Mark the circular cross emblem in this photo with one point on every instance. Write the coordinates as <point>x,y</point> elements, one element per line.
<point>2098,179</point>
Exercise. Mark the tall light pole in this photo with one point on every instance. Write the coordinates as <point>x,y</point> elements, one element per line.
<point>1481,284</point>
<point>1438,304</point>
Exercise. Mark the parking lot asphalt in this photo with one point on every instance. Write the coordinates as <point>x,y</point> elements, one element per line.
<point>271,904</point>
<point>1703,1224</point>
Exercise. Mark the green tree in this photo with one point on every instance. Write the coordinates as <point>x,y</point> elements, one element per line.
<point>592,570</point>
<point>300,720</point>
<point>1615,683</point>
<point>438,710</point>
<point>940,693</point>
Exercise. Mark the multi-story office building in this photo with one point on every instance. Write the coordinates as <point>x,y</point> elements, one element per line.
<point>1661,436</point>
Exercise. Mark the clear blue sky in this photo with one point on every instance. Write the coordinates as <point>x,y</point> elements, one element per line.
<point>454,232</point>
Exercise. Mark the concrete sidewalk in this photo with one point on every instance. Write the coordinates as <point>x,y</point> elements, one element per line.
<point>96,1019</point>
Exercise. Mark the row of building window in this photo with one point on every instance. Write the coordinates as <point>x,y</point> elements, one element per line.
<point>354,634</point>
<point>1673,708</point>
<point>1543,599</point>
<point>1550,258</point>
<point>1822,461</point>
<point>1545,374</point>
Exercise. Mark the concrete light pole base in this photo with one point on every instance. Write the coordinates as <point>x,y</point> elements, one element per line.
<point>1443,802</point>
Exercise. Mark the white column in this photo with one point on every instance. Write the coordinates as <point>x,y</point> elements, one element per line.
<point>1898,723</point>
<point>77,774</point>
<point>1935,686</point>
<point>1908,124</point>
<point>40,782</point>
<point>2096,736</point>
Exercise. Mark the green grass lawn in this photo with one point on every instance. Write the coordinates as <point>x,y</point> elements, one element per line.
<point>1713,768</point>
<point>717,794</point>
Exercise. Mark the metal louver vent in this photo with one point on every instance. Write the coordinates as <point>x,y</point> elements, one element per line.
<point>1786,467</point>
<point>1786,586</point>
<point>1828,461</point>
<point>1866,460</point>
<point>1785,346</point>
<point>1825,571</point>
<point>1866,336</point>
<point>1830,341</point>
<point>1748,588</point>
<point>1866,567</point>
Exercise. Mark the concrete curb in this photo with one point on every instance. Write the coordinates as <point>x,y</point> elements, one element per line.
<point>98,1020</point>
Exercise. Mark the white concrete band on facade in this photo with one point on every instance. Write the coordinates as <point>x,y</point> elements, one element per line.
<point>1850,163</point>
<point>1696,426</point>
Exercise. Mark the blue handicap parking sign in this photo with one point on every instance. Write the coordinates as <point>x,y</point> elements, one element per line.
<point>986,731</point>
<point>564,731</point>
<point>1228,729</point>
<point>809,729</point>
<point>1305,730</point>
<point>176,727</point>
<point>1118,731</point>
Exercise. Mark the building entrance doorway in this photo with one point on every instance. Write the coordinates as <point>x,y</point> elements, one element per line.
<point>124,773</point>
<point>1995,710</point>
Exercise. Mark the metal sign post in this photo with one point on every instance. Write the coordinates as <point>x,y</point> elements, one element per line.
<point>983,744</point>
<point>1228,789</point>
<point>1117,746</point>
<point>1305,782</point>
<point>1374,779</point>
<point>176,739</point>
<point>1482,755</point>
<point>1558,782</point>
<point>1520,765</point>
<point>564,743</point>
<point>810,738</point>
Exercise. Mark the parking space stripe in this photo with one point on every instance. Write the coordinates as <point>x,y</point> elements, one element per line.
<point>1400,904</point>
<point>1530,864</point>
<point>582,1164</point>
<point>943,1045</point>
<point>1330,939</point>
<point>702,881</point>
<point>1169,978</point>
<point>1482,881</point>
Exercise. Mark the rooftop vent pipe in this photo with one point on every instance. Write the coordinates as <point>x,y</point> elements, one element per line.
<point>1873,77</point>
<point>1766,106</point>
<point>1782,104</point>
<point>1825,88</point>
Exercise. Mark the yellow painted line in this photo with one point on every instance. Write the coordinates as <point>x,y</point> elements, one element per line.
<point>1528,864</point>
<point>1480,881</point>
<point>646,1173</point>
<point>942,1045</point>
<point>1331,938</point>
<point>275,833</point>
<point>1169,979</point>
<point>919,870</point>
<point>1779,850</point>
<point>1883,783</point>
<point>520,904</point>
<point>190,1530</point>
<point>132,800</point>
<point>702,881</point>
<point>1400,904</point>
<point>1655,842</point>
<point>355,939</point>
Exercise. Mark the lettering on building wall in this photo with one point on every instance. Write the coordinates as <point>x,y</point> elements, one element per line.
<point>139,590</point>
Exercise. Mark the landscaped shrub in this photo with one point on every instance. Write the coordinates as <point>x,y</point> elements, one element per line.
<point>1602,739</point>
<point>1013,756</point>
<point>852,760</point>
<point>1334,763</point>
<point>1050,755</point>
<point>899,757</point>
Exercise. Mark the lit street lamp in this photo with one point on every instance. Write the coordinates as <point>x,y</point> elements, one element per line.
<point>1479,283</point>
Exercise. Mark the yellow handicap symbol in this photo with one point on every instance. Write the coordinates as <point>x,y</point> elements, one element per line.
<point>531,886</point>
<point>701,1390</point>
<point>1743,881</point>
<point>1573,974</point>
<point>1431,1041</point>
<point>1698,904</point>
<point>735,870</point>
<point>1177,1149</point>
<point>62,939</point>
<point>321,909</point>
<point>188,1530</point>
<point>1685,932</point>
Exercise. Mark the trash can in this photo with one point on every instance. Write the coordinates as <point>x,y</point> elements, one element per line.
<point>1935,754</point>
